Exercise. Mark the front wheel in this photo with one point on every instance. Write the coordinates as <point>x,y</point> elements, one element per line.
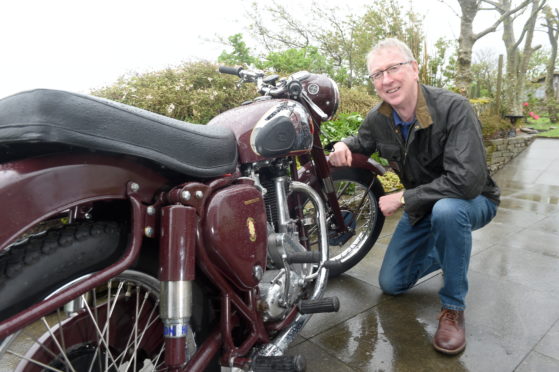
<point>358,192</point>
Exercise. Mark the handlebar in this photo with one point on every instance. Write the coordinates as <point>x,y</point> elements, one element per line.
<point>291,88</point>
<point>231,70</point>
<point>246,75</point>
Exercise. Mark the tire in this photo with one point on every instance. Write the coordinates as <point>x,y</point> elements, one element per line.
<point>30,270</point>
<point>347,249</point>
<point>124,311</point>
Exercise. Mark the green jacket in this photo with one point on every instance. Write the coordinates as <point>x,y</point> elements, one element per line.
<point>444,156</point>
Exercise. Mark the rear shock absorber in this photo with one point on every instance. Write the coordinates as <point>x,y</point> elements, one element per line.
<point>177,271</point>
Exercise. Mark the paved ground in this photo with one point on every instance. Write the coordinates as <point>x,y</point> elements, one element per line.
<point>512,316</point>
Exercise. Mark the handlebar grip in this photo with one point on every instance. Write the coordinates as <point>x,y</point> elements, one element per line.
<point>230,70</point>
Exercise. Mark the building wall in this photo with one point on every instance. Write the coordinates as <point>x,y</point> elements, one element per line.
<point>539,92</point>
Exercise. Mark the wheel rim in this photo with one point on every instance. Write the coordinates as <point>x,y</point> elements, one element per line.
<point>115,327</point>
<point>357,202</point>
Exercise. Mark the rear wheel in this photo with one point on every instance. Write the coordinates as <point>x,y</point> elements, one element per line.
<point>358,192</point>
<point>114,327</point>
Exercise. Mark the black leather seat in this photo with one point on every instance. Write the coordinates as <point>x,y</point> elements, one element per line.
<point>57,118</point>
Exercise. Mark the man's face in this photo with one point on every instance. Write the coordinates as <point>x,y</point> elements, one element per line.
<point>398,88</point>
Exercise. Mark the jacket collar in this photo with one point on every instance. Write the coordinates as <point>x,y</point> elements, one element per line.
<point>421,110</point>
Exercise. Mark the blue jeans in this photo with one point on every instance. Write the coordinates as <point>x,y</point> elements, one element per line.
<point>442,239</point>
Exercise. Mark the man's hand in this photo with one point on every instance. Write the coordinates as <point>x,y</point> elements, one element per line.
<point>341,156</point>
<point>389,204</point>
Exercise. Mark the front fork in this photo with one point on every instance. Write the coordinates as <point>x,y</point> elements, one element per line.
<point>177,268</point>
<point>326,184</point>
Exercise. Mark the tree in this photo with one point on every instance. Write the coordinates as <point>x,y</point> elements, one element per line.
<point>538,64</point>
<point>240,54</point>
<point>288,31</point>
<point>517,63</point>
<point>468,37</point>
<point>385,19</point>
<point>552,26</point>
<point>343,39</point>
<point>484,73</point>
<point>437,67</point>
<point>296,59</point>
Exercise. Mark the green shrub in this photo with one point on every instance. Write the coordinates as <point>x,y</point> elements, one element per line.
<point>193,92</point>
<point>390,182</point>
<point>356,100</point>
<point>196,92</point>
<point>493,126</point>
<point>344,125</point>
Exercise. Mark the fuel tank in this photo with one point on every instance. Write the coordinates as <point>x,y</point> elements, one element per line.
<point>235,228</point>
<point>268,128</point>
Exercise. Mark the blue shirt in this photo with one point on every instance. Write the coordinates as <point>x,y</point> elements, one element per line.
<point>404,125</point>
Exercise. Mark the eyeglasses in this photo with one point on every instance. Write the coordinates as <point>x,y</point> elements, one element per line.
<point>390,70</point>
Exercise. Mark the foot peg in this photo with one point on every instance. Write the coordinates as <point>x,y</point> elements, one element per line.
<point>332,265</point>
<point>323,305</point>
<point>282,363</point>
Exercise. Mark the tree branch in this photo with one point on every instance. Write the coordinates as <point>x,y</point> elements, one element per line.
<point>500,20</point>
<point>495,5</point>
<point>449,7</point>
<point>532,19</point>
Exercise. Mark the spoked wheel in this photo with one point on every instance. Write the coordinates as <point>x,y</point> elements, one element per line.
<point>115,327</point>
<point>358,193</point>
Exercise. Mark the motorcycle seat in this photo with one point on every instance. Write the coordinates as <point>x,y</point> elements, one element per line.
<point>65,119</point>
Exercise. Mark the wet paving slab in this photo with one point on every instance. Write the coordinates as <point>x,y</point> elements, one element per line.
<point>512,316</point>
<point>355,296</point>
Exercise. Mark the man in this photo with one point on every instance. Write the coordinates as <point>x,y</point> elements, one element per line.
<point>432,139</point>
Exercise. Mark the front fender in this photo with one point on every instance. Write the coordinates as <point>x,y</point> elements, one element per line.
<point>34,189</point>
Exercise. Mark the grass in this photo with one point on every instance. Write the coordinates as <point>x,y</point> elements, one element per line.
<point>554,133</point>
<point>545,127</point>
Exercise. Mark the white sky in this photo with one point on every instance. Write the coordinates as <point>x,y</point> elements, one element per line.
<point>79,45</point>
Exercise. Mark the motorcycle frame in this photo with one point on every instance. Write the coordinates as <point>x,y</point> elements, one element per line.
<point>92,178</point>
<point>72,180</point>
<point>101,178</point>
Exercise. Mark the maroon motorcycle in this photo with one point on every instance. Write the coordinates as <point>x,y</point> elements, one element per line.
<point>135,242</point>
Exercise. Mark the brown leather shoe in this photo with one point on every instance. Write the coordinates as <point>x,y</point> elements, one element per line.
<point>451,334</point>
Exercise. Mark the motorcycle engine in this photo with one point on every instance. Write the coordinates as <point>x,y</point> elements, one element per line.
<point>275,302</point>
<point>280,289</point>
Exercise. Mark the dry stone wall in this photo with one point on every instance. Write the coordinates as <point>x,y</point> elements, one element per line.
<point>501,151</point>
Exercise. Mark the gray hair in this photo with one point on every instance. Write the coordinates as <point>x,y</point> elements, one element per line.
<point>390,43</point>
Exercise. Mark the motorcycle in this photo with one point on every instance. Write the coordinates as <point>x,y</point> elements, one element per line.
<point>132,241</point>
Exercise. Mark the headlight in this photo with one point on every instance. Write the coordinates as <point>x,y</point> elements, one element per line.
<point>323,91</point>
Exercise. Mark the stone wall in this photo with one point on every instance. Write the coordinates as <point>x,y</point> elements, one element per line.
<point>501,151</point>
